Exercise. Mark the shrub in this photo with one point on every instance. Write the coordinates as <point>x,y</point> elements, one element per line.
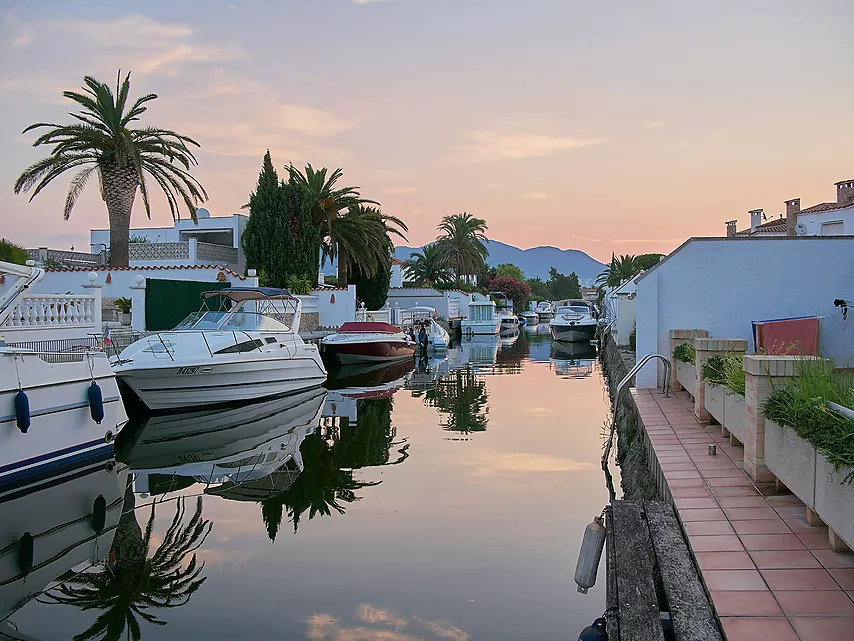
<point>12,253</point>
<point>727,370</point>
<point>298,285</point>
<point>685,353</point>
<point>633,338</point>
<point>801,405</point>
<point>123,305</point>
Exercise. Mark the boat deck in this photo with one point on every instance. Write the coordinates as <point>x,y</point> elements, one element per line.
<point>770,574</point>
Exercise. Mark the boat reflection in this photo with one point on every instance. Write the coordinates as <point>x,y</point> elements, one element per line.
<point>251,446</point>
<point>475,351</point>
<point>63,523</point>
<point>427,371</point>
<point>572,360</point>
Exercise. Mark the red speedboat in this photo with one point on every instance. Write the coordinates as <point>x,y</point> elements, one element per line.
<point>368,343</point>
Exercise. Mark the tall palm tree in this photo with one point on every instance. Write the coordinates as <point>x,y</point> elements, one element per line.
<point>363,239</point>
<point>331,203</point>
<point>427,267</point>
<point>137,584</point>
<point>461,243</point>
<point>103,142</point>
<point>619,270</point>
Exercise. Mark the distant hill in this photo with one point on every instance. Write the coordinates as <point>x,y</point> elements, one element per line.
<point>535,261</point>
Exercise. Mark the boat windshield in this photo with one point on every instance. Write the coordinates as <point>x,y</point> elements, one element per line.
<point>229,321</point>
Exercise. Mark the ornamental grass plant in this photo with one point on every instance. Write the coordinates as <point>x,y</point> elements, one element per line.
<point>685,353</point>
<point>726,370</point>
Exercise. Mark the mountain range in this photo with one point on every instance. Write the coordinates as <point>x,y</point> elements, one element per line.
<point>535,261</point>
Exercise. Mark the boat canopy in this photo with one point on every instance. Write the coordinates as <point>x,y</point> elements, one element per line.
<point>362,328</point>
<point>240,294</point>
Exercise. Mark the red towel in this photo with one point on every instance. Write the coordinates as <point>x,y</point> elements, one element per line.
<point>788,337</point>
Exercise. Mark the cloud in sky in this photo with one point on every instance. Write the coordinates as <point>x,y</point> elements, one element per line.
<point>652,124</point>
<point>536,195</point>
<point>488,145</point>
<point>401,191</point>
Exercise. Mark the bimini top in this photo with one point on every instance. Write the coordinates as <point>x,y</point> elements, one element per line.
<point>240,294</point>
<point>361,328</point>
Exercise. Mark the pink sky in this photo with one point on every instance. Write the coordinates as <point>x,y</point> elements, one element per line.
<point>621,128</point>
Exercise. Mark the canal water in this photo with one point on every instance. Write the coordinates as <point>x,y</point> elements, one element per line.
<point>444,502</point>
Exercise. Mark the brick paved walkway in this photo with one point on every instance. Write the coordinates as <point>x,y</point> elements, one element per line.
<point>771,575</point>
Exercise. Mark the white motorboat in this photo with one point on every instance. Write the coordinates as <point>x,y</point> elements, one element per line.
<point>417,317</point>
<point>251,350</point>
<point>59,411</point>
<point>572,360</point>
<point>482,318</point>
<point>545,312</point>
<point>368,343</point>
<point>531,317</point>
<point>504,309</point>
<point>574,321</point>
<point>234,445</point>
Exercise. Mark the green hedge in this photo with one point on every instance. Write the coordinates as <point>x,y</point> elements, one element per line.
<point>685,353</point>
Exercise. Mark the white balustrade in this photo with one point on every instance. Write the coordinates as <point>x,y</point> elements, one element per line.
<point>54,310</point>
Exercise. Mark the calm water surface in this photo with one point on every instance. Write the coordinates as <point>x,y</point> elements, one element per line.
<point>445,502</point>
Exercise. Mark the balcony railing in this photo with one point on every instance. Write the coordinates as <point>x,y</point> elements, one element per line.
<point>159,251</point>
<point>37,311</point>
<point>216,254</point>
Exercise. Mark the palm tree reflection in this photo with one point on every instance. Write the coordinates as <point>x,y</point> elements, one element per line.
<point>330,457</point>
<point>135,585</point>
<point>462,398</point>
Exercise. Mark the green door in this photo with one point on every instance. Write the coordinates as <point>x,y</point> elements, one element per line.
<point>168,302</point>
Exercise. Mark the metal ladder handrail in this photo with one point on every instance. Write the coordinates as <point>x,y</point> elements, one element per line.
<point>609,443</point>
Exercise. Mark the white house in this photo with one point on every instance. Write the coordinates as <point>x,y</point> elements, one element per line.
<point>396,273</point>
<point>723,284</point>
<point>824,219</point>
<point>212,240</point>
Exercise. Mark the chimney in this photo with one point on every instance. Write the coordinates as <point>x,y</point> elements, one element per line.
<point>731,228</point>
<point>755,219</point>
<point>793,208</point>
<point>845,192</point>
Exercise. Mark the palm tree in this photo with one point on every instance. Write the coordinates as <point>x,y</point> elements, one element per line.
<point>102,141</point>
<point>337,240</point>
<point>363,239</point>
<point>461,243</point>
<point>427,267</point>
<point>137,583</point>
<point>619,270</point>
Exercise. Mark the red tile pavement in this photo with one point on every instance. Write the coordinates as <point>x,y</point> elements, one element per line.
<point>771,576</point>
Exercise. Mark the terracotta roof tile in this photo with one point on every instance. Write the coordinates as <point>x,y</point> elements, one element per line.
<point>397,261</point>
<point>108,268</point>
<point>824,207</point>
<point>772,226</point>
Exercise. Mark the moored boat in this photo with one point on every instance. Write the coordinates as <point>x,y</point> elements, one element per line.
<point>545,311</point>
<point>504,309</point>
<point>368,343</point>
<point>482,318</point>
<point>417,317</point>
<point>249,348</point>
<point>574,321</point>
<point>531,317</point>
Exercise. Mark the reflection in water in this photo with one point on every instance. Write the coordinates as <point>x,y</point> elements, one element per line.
<point>573,360</point>
<point>461,398</point>
<point>330,457</point>
<point>380,623</point>
<point>135,584</point>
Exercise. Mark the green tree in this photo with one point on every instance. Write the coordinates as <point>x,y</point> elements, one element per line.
<point>511,271</point>
<point>462,243</point>
<point>338,215</point>
<point>372,290</point>
<point>103,142</point>
<point>138,583</point>
<point>280,238</point>
<point>646,261</point>
<point>12,253</point>
<point>618,271</point>
<point>427,267</point>
<point>562,287</point>
<point>539,289</point>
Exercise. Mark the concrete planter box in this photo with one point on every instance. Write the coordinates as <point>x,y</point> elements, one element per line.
<point>685,375</point>
<point>811,477</point>
<point>834,500</point>
<point>734,409</point>
<point>715,401</point>
<point>792,460</point>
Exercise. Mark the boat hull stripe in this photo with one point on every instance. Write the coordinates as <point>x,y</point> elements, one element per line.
<point>54,467</point>
<point>50,455</point>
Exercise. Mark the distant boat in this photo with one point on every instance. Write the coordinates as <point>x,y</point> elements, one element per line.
<point>482,319</point>
<point>531,317</point>
<point>504,309</point>
<point>545,311</point>
<point>574,321</point>
<point>438,338</point>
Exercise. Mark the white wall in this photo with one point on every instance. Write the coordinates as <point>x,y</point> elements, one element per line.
<point>813,221</point>
<point>335,306</point>
<point>61,282</point>
<point>396,276</point>
<point>626,315</point>
<point>410,297</point>
<point>722,284</point>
